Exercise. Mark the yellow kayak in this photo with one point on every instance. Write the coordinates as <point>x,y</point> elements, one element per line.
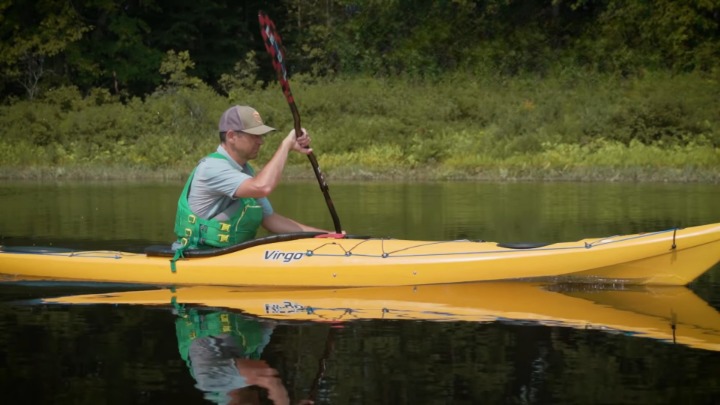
<point>668,257</point>
<point>671,314</point>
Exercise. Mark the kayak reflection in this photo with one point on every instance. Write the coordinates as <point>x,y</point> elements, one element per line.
<point>670,314</point>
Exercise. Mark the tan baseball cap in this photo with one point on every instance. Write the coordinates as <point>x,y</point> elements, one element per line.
<point>244,119</point>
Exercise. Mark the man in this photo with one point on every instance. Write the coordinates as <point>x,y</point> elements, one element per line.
<point>224,201</point>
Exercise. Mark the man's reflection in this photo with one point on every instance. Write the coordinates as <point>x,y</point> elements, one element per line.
<point>222,351</point>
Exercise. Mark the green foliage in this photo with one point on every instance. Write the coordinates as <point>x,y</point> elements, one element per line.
<point>667,109</point>
<point>116,54</point>
<point>244,76</point>
<point>175,68</point>
<point>669,32</point>
<point>31,33</point>
<point>119,46</point>
<point>68,129</point>
<point>567,124</point>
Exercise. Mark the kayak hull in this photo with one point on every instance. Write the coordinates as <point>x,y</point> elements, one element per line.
<point>670,257</point>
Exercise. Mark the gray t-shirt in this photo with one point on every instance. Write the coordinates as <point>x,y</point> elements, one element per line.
<point>213,188</point>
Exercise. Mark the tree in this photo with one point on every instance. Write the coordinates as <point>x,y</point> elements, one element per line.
<point>175,68</point>
<point>117,54</point>
<point>31,34</point>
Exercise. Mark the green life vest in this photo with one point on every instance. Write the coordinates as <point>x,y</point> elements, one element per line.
<point>248,334</point>
<point>194,232</point>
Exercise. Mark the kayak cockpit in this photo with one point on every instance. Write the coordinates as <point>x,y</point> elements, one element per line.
<point>167,251</point>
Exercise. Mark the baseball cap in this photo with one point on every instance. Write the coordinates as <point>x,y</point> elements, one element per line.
<point>245,119</point>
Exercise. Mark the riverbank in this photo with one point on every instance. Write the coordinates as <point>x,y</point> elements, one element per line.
<point>500,172</point>
<point>573,126</point>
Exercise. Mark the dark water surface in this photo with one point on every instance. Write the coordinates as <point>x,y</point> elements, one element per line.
<point>124,354</point>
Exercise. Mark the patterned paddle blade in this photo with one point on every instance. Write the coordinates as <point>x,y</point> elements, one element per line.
<point>273,45</point>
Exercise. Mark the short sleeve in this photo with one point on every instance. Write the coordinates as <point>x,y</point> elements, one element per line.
<point>213,187</point>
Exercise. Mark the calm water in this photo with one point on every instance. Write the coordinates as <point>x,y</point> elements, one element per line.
<point>67,354</point>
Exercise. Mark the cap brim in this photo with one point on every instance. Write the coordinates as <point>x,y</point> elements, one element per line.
<point>261,130</point>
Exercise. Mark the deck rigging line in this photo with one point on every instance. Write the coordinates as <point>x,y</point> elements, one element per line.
<point>386,254</point>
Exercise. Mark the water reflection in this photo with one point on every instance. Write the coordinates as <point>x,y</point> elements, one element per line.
<point>669,314</point>
<point>223,352</point>
<point>59,214</point>
<point>499,342</point>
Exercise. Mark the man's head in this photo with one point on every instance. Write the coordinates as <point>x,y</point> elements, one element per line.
<point>242,119</point>
<point>242,132</point>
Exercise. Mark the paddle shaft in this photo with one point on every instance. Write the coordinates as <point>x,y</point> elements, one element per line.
<point>273,45</point>
<point>322,363</point>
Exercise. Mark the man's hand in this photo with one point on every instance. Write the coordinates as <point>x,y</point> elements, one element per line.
<point>300,143</point>
<point>258,372</point>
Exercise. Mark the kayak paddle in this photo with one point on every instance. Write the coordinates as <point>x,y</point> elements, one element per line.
<point>273,45</point>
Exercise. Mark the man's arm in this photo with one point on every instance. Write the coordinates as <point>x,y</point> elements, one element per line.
<point>268,178</point>
<point>277,223</point>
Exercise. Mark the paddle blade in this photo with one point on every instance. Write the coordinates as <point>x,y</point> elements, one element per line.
<point>273,45</point>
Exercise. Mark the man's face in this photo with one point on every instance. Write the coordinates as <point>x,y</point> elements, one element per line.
<point>246,145</point>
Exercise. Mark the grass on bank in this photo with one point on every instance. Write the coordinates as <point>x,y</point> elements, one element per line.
<point>609,162</point>
<point>573,126</point>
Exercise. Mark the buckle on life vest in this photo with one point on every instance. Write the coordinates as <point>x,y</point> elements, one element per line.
<point>224,238</point>
<point>192,218</point>
<point>188,232</point>
<point>224,227</point>
<point>225,320</point>
<point>184,241</point>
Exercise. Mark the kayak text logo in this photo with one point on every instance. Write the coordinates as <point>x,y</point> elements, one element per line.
<point>285,307</point>
<point>286,257</point>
